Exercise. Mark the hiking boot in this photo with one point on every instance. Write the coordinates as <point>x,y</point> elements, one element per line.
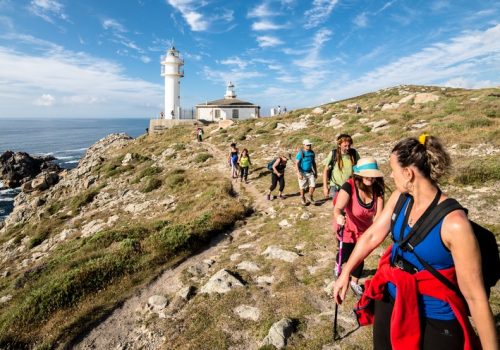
<point>357,289</point>
<point>281,197</point>
<point>311,200</point>
<point>304,201</point>
<point>268,197</point>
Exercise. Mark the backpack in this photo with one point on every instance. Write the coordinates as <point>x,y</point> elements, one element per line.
<point>329,171</point>
<point>490,259</point>
<point>302,155</point>
<point>270,164</point>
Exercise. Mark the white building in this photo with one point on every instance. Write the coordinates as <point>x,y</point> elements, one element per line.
<point>227,108</point>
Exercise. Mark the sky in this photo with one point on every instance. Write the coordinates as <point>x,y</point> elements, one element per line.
<point>101,58</point>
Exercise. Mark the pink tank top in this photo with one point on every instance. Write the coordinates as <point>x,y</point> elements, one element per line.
<point>359,216</point>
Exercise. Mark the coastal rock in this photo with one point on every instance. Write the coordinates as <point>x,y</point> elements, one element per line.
<point>19,167</point>
<point>389,106</point>
<point>157,302</point>
<point>406,99</point>
<point>318,110</point>
<point>279,333</point>
<point>222,282</point>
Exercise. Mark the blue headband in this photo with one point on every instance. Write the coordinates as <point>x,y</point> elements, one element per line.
<point>369,166</point>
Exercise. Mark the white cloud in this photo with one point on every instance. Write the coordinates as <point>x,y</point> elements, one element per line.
<point>46,100</point>
<point>361,20</point>
<point>266,25</point>
<point>145,59</point>
<point>319,13</point>
<point>199,21</point>
<point>386,5</point>
<point>48,10</point>
<point>237,76</point>
<point>469,59</point>
<point>113,25</point>
<point>261,10</point>
<point>74,78</point>
<point>268,41</point>
<point>235,61</point>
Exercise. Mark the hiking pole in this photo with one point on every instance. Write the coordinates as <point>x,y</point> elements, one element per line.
<point>338,270</point>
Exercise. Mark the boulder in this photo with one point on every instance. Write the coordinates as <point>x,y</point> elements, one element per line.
<point>279,333</point>
<point>186,292</point>
<point>247,312</point>
<point>157,302</point>
<point>334,122</point>
<point>389,106</point>
<point>265,280</point>
<point>298,125</point>
<point>248,266</point>
<point>406,99</point>
<point>222,282</point>
<point>425,97</point>
<point>273,252</point>
<point>318,110</point>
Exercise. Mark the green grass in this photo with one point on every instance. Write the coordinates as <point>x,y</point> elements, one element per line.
<point>150,184</point>
<point>202,157</point>
<point>478,172</point>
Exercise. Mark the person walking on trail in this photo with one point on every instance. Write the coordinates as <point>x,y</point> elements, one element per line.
<point>199,134</point>
<point>359,202</point>
<point>412,307</point>
<point>306,171</point>
<point>244,164</point>
<point>338,165</point>
<point>233,160</point>
<point>277,176</point>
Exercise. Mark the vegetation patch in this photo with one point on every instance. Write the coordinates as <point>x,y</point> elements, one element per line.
<point>478,172</point>
<point>202,157</point>
<point>150,184</point>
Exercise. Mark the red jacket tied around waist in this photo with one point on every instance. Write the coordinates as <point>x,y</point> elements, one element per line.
<point>405,319</point>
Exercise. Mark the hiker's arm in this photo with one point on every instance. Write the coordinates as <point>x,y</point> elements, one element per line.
<point>459,238</point>
<point>325,180</point>
<point>315,169</point>
<point>299,174</point>
<point>275,167</point>
<point>380,207</point>
<point>368,241</point>
<point>340,204</point>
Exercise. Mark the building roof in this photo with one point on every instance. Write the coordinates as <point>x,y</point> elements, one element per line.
<point>227,102</point>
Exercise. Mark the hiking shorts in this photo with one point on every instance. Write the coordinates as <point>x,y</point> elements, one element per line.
<point>308,180</point>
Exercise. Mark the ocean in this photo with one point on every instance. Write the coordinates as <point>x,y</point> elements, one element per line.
<point>65,139</point>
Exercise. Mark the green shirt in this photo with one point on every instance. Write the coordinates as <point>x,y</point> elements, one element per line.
<point>339,177</point>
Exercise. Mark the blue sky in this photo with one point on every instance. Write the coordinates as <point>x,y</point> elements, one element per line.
<point>100,58</point>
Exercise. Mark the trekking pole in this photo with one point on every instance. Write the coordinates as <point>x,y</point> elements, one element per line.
<point>337,272</point>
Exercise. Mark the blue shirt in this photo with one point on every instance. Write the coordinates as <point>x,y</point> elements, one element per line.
<point>306,160</point>
<point>431,250</point>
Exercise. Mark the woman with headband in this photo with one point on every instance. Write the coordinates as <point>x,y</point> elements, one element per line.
<point>409,307</point>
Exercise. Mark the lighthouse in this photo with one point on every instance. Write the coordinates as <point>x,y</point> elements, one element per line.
<point>171,70</point>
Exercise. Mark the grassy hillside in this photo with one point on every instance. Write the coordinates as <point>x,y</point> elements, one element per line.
<point>130,220</point>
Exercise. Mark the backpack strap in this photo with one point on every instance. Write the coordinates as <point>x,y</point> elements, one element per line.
<point>439,212</point>
<point>399,205</point>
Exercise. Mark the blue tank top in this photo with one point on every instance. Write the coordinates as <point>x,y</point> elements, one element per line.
<point>433,251</point>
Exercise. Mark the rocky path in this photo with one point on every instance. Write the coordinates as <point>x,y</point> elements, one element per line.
<point>126,328</point>
<point>268,244</point>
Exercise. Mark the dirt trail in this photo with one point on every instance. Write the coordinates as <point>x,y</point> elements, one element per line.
<point>125,327</point>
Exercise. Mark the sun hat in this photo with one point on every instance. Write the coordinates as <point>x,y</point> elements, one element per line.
<point>306,142</point>
<point>367,167</point>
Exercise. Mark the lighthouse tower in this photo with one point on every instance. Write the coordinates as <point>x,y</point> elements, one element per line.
<point>230,91</point>
<point>171,70</point>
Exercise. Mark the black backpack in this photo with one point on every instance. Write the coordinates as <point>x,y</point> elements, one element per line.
<point>270,164</point>
<point>490,259</point>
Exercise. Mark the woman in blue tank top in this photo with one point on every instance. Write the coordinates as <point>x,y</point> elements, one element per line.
<point>451,246</point>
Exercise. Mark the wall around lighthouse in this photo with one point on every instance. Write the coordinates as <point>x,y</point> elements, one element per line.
<point>214,113</point>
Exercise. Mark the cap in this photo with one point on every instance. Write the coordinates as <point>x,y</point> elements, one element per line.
<point>306,142</point>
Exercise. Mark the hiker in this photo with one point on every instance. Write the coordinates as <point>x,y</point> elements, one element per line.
<point>233,160</point>
<point>359,202</point>
<point>338,165</point>
<point>244,164</point>
<point>413,309</point>
<point>306,171</point>
<point>199,134</point>
<point>277,176</point>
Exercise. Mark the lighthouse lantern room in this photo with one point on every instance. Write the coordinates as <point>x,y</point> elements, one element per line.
<point>171,70</point>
